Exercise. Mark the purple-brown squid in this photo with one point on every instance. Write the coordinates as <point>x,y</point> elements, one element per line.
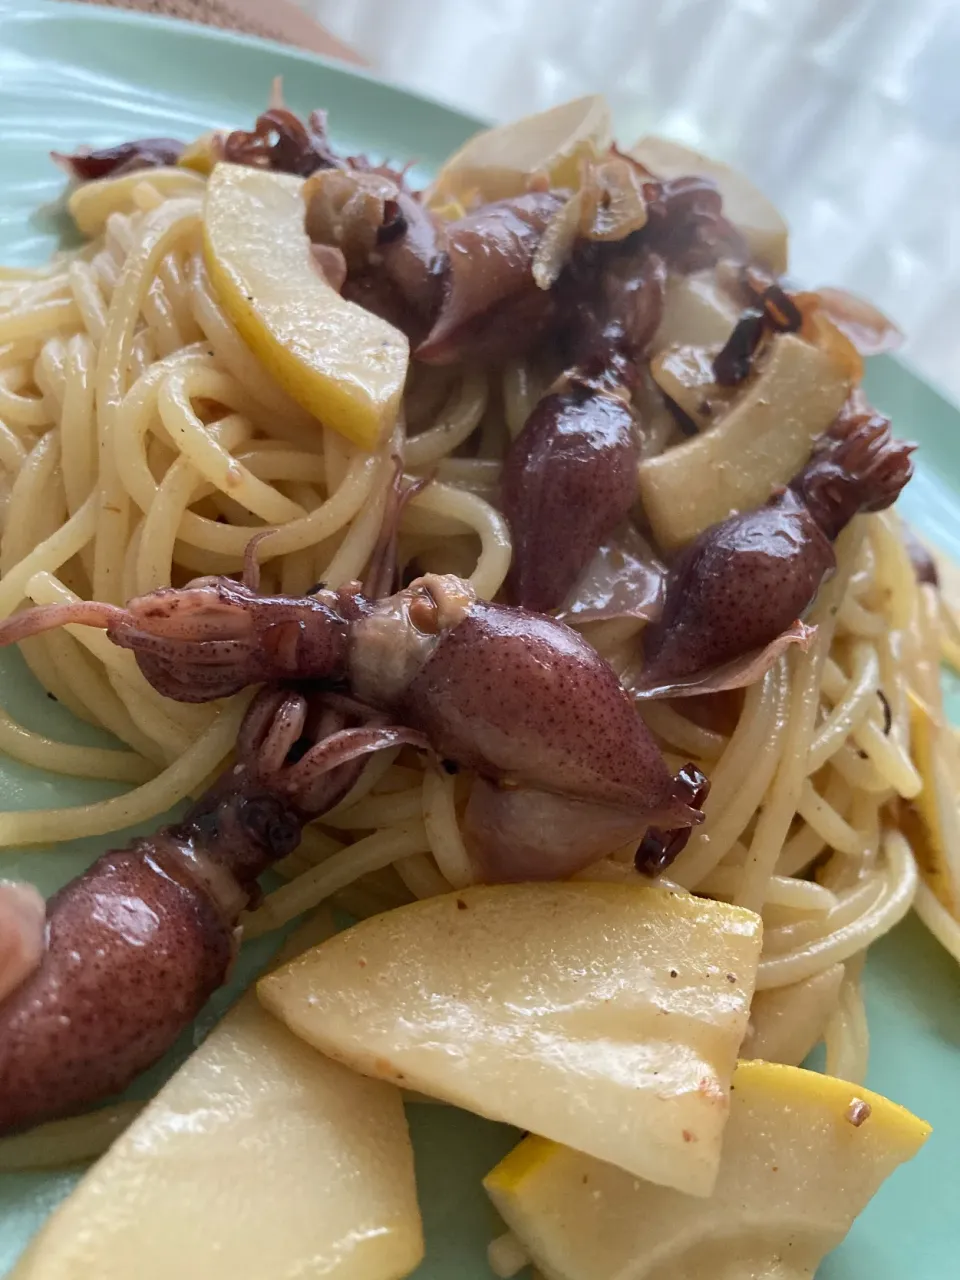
<point>517,697</point>
<point>566,772</point>
<point>134,946</point>
<point>744,582</point>
<point>569,478</point>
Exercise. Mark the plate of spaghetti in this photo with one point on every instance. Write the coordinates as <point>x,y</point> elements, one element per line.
<point>477,787</point>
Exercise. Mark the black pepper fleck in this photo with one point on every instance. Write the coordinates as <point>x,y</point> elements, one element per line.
<point>887,713</point>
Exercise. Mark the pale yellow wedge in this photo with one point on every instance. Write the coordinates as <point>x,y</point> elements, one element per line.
<point>759,442</point>
<point>259,1160</point>
<point>605,1016</point>
<point>796,1171</point>
<point>343,364</point>
<point>500,162</point>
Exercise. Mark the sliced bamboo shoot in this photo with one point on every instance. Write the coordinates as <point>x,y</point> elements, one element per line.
<point>697,310</point>
<point>259,1158</point>
<point>802,1156</point>
<point>762,441</point>
<point>605,1016</point>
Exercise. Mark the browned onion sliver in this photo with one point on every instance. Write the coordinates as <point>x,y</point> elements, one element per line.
<point>735,674</point>
<point>870,331</point>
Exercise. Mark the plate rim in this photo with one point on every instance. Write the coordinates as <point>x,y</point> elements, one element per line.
<point>17,12</point>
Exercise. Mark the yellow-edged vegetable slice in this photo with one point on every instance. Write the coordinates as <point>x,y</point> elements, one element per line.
<point>204,152</point>
<point>803,1153</point>
<point>605,1016</point>
<point>759,442</point>
<point>91,203</point>
<point>343,364</point>
<point>500,162</point>
<point>259,1158</point>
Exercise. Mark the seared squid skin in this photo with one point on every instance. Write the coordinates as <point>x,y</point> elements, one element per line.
<point>491,307</point>
<point>570,477</point>
<point>612,298</point>
<point>518,697</point>
<point>744,581</point>
<point>568,481</point>
<point>736,588</point>
<point>282,142</point>
<point>127,157</point>
<point>136,945</point>
<point>132,956</point>
<point>209,639</point>
<point>857,466</point>
<point>134,948</point>
<point>523,700</point>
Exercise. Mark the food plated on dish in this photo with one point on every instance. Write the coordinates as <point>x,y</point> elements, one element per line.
<point>512,565</point>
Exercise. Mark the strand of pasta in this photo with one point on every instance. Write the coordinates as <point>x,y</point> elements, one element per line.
<point>892,904</point>
<point>458,420</point>
<point>850,905</point>
<point>676,729</point>
<point>858,698</point>
<point>74,534</point>
<point>36,478</point>
<point>443,828</point>
<point>173,784</point>
<point>79,762</point>
<point>92,203</point>
<point>350,864</point>
<point>847,1036</point>
<point>161,230</point>
<point>492,529</point>
<point>26,412</point>
<point>356,547</point>
<point>780,806</point>
<point>741,777</point>
<point>419,873</point>
<point>87,685</point>
<point>944,926</point>
<point>782,891</point>
<point>166,518</point>
<point>388,810</point>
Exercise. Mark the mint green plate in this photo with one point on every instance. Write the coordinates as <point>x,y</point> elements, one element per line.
<point>69,75</point>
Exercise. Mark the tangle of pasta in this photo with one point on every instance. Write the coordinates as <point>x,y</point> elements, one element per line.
<point>141,445</point>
